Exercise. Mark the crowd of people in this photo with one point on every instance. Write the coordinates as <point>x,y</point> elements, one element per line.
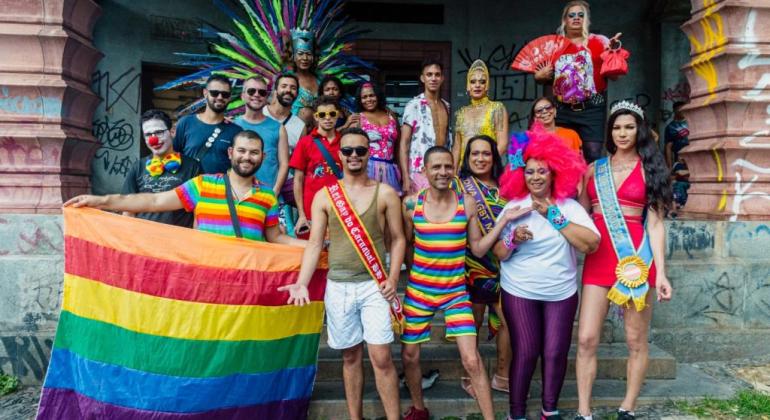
<point>484,219</point>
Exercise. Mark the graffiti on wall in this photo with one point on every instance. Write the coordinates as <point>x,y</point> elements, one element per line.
<point>760,93</point>
<point>25,356</point>
<point>709,46</point>
<point>515,89</point>
<point>44,106</point>
<point>120,94</point>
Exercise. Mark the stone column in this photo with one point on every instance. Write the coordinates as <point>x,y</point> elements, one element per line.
<point>729,112</point>
<point>46,102</point>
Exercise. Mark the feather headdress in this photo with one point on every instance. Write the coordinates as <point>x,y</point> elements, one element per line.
<point>260,44</point>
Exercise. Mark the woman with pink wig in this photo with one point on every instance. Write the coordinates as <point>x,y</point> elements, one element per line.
<point>539,269</point>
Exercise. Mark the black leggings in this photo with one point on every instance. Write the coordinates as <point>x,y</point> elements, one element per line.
<point>538,329</point>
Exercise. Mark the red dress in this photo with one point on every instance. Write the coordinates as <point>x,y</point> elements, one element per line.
<point>599,267</point>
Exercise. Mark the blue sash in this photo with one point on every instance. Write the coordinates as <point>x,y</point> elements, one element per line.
<point>633,266</point>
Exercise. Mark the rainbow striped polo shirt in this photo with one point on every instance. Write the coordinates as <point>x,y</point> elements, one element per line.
<point>205,196</point>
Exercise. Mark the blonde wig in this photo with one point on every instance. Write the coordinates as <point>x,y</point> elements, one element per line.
<point>586,20</point>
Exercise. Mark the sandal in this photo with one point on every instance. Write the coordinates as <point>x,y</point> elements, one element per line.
<point>499,383</point>
<point>467,386</point>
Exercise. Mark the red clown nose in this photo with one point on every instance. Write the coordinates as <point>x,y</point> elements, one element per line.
<point>153,141</point>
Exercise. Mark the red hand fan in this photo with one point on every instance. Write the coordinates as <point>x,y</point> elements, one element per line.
<point>539,51</point>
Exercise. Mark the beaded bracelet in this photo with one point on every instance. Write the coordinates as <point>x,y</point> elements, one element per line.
<point>557,220</point>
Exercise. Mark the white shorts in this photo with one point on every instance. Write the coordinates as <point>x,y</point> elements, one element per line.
<point>355,312</point>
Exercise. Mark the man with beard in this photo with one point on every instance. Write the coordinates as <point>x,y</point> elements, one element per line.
<point>256,208</point>
<point>275,163</point>
<point>206,136</point>
<point>285,92</point>
<point>359,286</point>
<point>165,169</point>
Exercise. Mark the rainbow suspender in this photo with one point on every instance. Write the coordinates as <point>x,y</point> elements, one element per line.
<point>362,243</point>
<point>633,264</point>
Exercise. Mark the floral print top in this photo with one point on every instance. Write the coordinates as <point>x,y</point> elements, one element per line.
<point>417,115</point>
<point>381,139</point>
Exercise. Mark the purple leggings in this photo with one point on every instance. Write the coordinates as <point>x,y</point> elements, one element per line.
<point>538,329</point>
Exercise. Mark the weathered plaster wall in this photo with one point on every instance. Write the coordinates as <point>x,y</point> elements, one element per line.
<point>31,267</point>
<point>124,35</point>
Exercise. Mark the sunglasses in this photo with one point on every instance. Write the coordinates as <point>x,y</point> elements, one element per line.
<point>573,15</point>
<point>223,93</point>
<point>260,92</point>
<point>360,151</point>
<point>543,109</point>
<point>323,114</point>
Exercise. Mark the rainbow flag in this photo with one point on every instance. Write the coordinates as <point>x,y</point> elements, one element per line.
<point>160,322</point>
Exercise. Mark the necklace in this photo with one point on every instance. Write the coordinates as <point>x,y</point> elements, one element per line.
<point>480,102</point>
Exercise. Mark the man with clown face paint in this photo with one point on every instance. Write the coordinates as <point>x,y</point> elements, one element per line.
<point>163,170</point>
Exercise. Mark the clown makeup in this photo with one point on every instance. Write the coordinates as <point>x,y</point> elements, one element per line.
<point>538,178</point>
<point>157,137</point>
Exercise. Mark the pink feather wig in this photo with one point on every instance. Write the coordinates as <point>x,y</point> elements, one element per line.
<point>567,166</point>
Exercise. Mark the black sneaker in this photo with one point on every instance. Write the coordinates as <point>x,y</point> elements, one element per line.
<point>625,415</point>
<point>555,416</point>
<point>579,417</point>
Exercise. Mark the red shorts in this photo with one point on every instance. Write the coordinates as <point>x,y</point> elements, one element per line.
<point>599,267</point>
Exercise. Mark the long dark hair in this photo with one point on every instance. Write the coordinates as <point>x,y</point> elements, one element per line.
<point>534,104</point>
<point>497,162</point>
<point>656,172</point>
<point>381,100</point>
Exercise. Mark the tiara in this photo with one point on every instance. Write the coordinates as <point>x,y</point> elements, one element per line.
<point>627,105</point>
<point>302,40</point>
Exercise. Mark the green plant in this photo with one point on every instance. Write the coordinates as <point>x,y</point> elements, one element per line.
<point>8,384</point>
<point>744,404</point>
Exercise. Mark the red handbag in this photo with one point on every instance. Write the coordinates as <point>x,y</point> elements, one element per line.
<point>614,62</point>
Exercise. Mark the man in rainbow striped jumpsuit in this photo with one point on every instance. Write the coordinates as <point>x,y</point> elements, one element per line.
<point>443,220</point>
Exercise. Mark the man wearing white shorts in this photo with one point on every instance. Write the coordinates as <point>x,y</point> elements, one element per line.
<point>357,307</point>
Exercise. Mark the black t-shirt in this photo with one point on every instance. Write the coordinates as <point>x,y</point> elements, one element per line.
<point>139,180</point>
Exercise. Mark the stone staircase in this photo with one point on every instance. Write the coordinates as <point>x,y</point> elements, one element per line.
<point>446,398</point>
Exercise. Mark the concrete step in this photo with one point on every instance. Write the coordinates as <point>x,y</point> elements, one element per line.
<point>446,358</point>
<point>438,332</point>
<point>446,398</point>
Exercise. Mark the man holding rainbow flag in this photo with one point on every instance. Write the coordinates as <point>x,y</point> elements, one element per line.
<point>165,323</point>
<point>360,299</point>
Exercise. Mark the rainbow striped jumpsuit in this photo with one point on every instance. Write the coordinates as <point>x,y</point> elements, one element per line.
<point>437,279</point>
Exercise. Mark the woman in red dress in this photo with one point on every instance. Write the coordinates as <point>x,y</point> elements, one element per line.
<point>644,192</point>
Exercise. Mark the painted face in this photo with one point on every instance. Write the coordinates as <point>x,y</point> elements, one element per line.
<point>245,156</point>
<point>545,112</point>
<point>478,85</point>
<point>326,117</point>
<point>254,94</point>
<point>432,78</point>
<point>624,132</point>
<point>575,17</point>
<point>157,137</point>
<point>439,170</point>
<point>331,89</point>
<point>538,178</point>
<point>480,159</point>
<point>352,145</point>
<point>303,60</point>
<point>286,91</point>
<point>217,96</point>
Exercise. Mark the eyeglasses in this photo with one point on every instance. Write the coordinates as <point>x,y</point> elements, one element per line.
<point>573,15</point>
<point>323,114</point>
<point>155,133</point>
<point>223,93</point>
<point>360,151</point>
<point>260,92</point>
<point>543,109</point>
